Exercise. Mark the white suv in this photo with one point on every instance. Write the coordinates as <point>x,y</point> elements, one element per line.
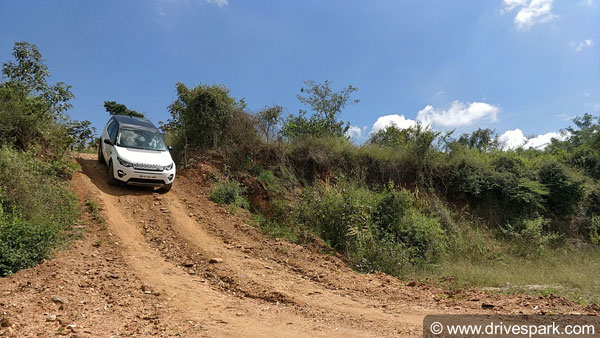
<point>135,153</point>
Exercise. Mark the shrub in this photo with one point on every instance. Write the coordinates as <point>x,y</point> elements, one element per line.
<point>229,192</point>
<point>564,193</point>
<point>25,242</point>
<point>392,207</point>
<point>375,230</point>
<point>530,239</point>
<point>422,236</point>
<point>36,209</point>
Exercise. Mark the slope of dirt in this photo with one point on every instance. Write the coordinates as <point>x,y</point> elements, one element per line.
<point>179,265</point>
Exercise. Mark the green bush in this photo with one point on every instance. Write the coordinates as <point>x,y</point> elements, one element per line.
<point>376,230</point>
<point>25,242</point>
<point>36,209</point>
<point>229,192</point>
<point>564,193</point>
<point>530,239</point>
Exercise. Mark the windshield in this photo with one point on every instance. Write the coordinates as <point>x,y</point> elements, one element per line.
<point>140,139</point>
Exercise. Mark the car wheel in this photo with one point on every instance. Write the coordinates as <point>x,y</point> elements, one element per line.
<point>111,175</point>
<point>165,189</point>
<point>100,156</point>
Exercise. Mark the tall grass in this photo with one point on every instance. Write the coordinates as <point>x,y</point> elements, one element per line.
<point>568,272</point>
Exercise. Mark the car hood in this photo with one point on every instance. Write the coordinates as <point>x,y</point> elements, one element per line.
<point>144,156</point>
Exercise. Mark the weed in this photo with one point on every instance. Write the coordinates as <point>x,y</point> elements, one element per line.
<point>229,192</point>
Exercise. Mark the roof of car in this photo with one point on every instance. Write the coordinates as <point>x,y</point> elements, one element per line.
<point>136,122</point>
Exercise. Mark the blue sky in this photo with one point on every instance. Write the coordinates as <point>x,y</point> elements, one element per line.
<point>505,64</point>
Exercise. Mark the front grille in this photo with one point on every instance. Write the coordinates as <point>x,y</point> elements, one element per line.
<point>145,181</point>
<point>147,167</point>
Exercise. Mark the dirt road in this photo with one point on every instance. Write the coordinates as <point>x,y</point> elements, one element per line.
<point>179,265</point>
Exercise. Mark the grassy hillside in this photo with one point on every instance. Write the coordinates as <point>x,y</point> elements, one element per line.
<point>415,203</point>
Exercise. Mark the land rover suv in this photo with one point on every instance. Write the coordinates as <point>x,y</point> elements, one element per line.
<point>135,153</point>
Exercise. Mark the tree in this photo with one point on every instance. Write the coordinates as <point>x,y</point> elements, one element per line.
<point>268,120</point>
<point>200,116</point>
<point>32,112</point>
<point>417,139</point>
<point>326,105</point>
<point>114,108</point>
<point>481,139</point>
<point>82,134</point>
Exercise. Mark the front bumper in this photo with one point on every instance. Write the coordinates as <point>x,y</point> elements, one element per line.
<point>133,176</point>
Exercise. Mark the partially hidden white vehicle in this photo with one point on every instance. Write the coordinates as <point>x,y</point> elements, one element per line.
<point>135,152</point>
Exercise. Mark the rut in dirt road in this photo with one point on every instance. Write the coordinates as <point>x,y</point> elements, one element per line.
<point>253,293</point>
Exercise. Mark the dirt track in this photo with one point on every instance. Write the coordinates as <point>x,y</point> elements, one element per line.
<point>179,265</point>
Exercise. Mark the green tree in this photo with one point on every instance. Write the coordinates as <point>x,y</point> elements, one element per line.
<point>32,112</point>
<point>481,139</point>
<point>326,105</point>
<point>201,116</point>
<point>82,134</point>
<point>268,120</point>
<point>114,108</point>
<point>418,139</point>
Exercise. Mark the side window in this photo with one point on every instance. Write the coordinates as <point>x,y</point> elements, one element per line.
<point>112,131</point>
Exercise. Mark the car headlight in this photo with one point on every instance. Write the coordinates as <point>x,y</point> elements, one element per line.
<point>168,167</point>
<point>124,163</point>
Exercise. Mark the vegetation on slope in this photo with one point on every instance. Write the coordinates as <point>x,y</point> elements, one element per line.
<point>36,206</point>
<point>409,202</point>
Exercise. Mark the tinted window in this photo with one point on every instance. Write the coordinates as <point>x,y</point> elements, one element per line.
<point>112,131</point>
<point>140,139</point>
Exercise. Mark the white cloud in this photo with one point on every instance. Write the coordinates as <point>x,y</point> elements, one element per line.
<point>509,5</point>
<point>354,132</point>
<point>388,120</point>
<point>530,12</point>
<point>541,141</point>
<point>459,114</point>
<point>220,3</point>
<point>513,139</point>
<point>584,44</point>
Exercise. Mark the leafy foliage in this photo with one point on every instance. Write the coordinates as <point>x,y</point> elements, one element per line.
<point>269,120</point>
<point>82,134</point>
<point>229,192</point>
<point>114,108</point>
<point>204,116</point>
<point>530,239</point>
<point>327,105</point>
<point>376,230</point>
<point>35,209</point>
<point>31,109</point>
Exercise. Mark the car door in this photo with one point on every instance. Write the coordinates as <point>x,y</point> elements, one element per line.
<point>112,136</point>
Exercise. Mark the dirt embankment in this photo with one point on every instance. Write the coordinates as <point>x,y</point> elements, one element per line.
<point>179,265</point>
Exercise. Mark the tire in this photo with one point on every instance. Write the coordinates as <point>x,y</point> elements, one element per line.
<point>165,189</point>
<point>111,176</point>
<point>100,156</point>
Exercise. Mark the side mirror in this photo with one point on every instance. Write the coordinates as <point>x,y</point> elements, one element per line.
<point>170,148</point>
<point>107,141</point>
